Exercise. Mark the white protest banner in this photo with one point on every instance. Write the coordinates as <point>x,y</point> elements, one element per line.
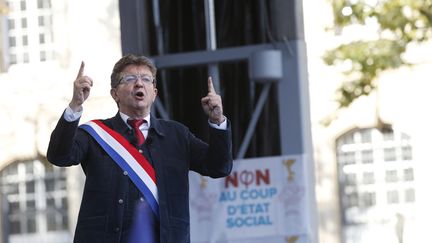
<point>263,200</point>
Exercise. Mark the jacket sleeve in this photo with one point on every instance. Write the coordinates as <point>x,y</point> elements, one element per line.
<point>215,158</point>
<point>68,144</point>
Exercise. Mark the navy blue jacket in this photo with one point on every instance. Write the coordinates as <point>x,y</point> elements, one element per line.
<point>172,149</point>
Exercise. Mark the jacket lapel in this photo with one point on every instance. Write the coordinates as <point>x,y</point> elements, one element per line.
<point>117,124</point>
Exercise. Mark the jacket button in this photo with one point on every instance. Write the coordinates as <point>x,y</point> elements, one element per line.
<point>140,150</point>
<point>141,199</point>
<point>116,229</point>
<point>120,201</point>
<point>125,173</point>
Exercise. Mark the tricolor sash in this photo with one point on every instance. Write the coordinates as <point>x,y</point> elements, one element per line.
<point>128,158</point>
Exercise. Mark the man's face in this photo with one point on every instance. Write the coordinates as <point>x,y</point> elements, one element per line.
<point>136,91</point>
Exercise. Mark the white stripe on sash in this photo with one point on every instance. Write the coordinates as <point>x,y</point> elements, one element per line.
<point>128,158</point>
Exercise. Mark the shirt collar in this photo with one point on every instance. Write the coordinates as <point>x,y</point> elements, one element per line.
<point>126,117</point>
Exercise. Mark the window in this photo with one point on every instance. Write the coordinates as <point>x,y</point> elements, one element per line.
<point>347,158</point>
<point>351,179</point>
<point>23,23</point>
<point>389,154</point>
<point>11,24</point>
<point>368,199</point>
<point>409,174</point>
<point>41,20</point>
<point>23,36</point>
<point>34,207</point>
<point>26,57</point>
<point>406,153</point>
<point>24,40</point>
<point>368,178</point>
<point>23,5</point>
<point>348,139</point>
<point>366,135</point>
<point>13,59</point>
<point>391,176</point>
<point>410,195</point>
<point>12,41</point>
<point>388,135</point>
<point>405,137</point>
<point>42,56</point>
<point>351,200</point>
<point>43,4</point>
<point>392,197</point>
<point>367,156</point>
<point>41,38</point>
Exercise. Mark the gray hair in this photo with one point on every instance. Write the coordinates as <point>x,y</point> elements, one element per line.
<point>127,60</point>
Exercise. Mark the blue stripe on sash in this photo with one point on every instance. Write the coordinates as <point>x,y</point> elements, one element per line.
<point>125,166</point>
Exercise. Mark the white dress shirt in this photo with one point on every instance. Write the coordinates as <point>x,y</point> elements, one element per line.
<point>71,116</point>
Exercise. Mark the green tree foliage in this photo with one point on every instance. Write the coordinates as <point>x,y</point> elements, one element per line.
<point>399,23</point>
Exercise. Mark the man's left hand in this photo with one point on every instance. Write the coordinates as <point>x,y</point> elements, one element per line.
<point>212,104</point>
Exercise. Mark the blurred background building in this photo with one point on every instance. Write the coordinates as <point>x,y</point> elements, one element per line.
<point>371,161</point>
<point>42,45</point>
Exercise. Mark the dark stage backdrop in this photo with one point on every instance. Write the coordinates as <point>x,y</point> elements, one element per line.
<point>182,29</point>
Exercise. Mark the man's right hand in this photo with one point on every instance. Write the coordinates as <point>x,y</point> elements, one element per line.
<point>81,90</point>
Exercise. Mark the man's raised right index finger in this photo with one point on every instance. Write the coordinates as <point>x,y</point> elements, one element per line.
<point>81,70</point>
<point>210,85</point>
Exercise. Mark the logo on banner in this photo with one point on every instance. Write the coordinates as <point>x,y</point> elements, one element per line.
<point>204,202</point>
<point>292,239</point>
<point>291,195</point>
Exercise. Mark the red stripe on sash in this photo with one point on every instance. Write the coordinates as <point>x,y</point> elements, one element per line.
<point>132,150</point>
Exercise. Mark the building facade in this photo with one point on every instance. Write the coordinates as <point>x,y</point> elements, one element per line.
<point>42,45</point>
<point>372,158</point>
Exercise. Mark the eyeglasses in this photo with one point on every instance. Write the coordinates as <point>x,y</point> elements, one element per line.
<point>132,78</point>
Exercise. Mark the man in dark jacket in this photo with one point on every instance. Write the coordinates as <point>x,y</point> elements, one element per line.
<point>146,164</point>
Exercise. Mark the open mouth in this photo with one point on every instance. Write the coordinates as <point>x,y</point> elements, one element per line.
<point>139,94</point>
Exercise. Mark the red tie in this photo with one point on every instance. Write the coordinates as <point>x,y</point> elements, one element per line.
<point>135,123</point>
